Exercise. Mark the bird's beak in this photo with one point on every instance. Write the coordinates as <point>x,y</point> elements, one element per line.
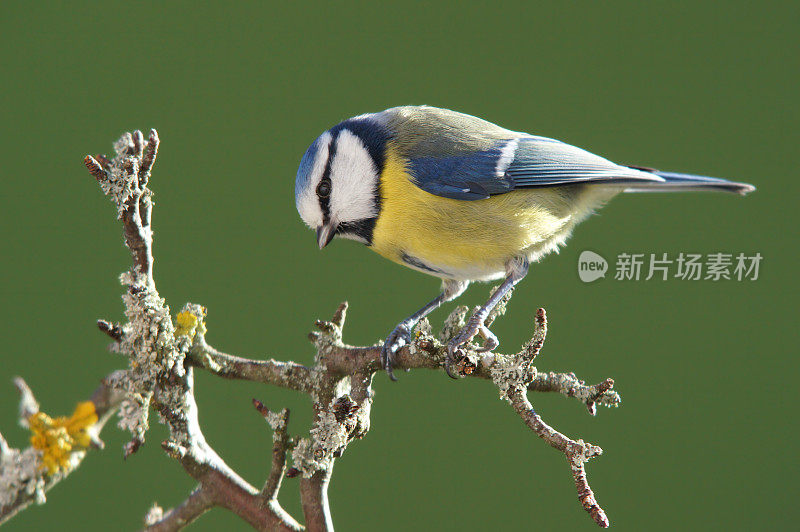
<point>325,234</point>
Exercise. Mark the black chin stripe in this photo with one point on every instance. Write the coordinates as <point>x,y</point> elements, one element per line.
<point>361,228</point>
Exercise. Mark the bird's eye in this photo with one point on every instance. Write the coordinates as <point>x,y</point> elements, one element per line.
<point>324,188</point>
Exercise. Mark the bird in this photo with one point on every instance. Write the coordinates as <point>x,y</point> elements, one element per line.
<point>462,199</point>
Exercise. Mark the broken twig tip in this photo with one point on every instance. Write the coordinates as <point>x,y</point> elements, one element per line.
<point>260,407</point>
<point>132,447</point>
<point>94,167</point>
<point>138,143</point>
<point>148,157</point>
<point>340,315</point>
<point>113,330</point>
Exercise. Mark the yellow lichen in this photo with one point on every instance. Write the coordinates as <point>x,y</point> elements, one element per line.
<point>57,438</point>
<point>189,324</point>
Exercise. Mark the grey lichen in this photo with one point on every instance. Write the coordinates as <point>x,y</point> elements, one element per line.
<point>423,328</point>
<point>149,342</point>
<point>569,385</point>
<point>305,459</point>
<point>329,437</point>
<point>276,421</point>
<point>28,405</point>
<point>453,323</point>
<point>154,515</point>
<point>118,184</point>
<point>134,413</point>
<point>149,335</point>
<point>21,474</point>
<point>509,372</point>
<point>500,308</point>
<point>328,433</point>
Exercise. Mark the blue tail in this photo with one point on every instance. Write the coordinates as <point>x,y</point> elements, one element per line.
<point>674,182</point>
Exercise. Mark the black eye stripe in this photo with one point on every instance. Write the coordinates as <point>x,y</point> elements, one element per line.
<point>374,137</point>
<point>325,199</point>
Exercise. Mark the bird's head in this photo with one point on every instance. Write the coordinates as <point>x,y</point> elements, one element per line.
<point>337,191</point>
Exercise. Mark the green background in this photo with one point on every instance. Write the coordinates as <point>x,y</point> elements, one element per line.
<point>706,435</point>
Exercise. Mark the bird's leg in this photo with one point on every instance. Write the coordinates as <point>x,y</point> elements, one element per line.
<point>515,272</point>
<point>401,335</point>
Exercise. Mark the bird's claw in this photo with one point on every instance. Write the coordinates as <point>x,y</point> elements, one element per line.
<point>399,337</point>
<point>455,353</point>
<point>449,363</point>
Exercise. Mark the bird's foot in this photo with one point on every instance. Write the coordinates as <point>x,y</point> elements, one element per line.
<point>399,337</point>
<point>456,363</point>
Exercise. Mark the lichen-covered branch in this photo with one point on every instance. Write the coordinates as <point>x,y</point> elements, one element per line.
<point>164,351</point>
<point>513,375</point>
<point>283,374</point>
<point>158,375</point>
<point>568,384</point>
<point>58,447</point>
<point>577,452</point>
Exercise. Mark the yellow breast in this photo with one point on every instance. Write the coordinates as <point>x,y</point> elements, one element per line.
<point>471,240</point>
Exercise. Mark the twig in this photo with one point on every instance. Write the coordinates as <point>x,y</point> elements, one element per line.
<point>577,452</point>
<point>531,350</point>
<point>28,405</point>
<point>177,518</point>
<point>281,444</point>
<point>113,330</point>
<point>149,157</point>
<point>568,384</point>
<point>283,374</point>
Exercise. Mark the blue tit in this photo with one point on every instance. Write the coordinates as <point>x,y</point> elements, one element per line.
<point>460,198</point>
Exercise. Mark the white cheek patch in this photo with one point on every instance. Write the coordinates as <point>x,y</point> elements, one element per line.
<point>307,201</point>
<point>355,178</point>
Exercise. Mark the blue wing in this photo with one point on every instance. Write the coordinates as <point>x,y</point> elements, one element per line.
<point>522,162</point>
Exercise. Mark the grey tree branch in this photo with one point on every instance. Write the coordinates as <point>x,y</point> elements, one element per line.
<point>221,484</point>
<point>577,452</point>
<point>164,352</point>
<point>182,515</point>
<point>314,498</point>
<point>282,443</point>
<point>283,374</point>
